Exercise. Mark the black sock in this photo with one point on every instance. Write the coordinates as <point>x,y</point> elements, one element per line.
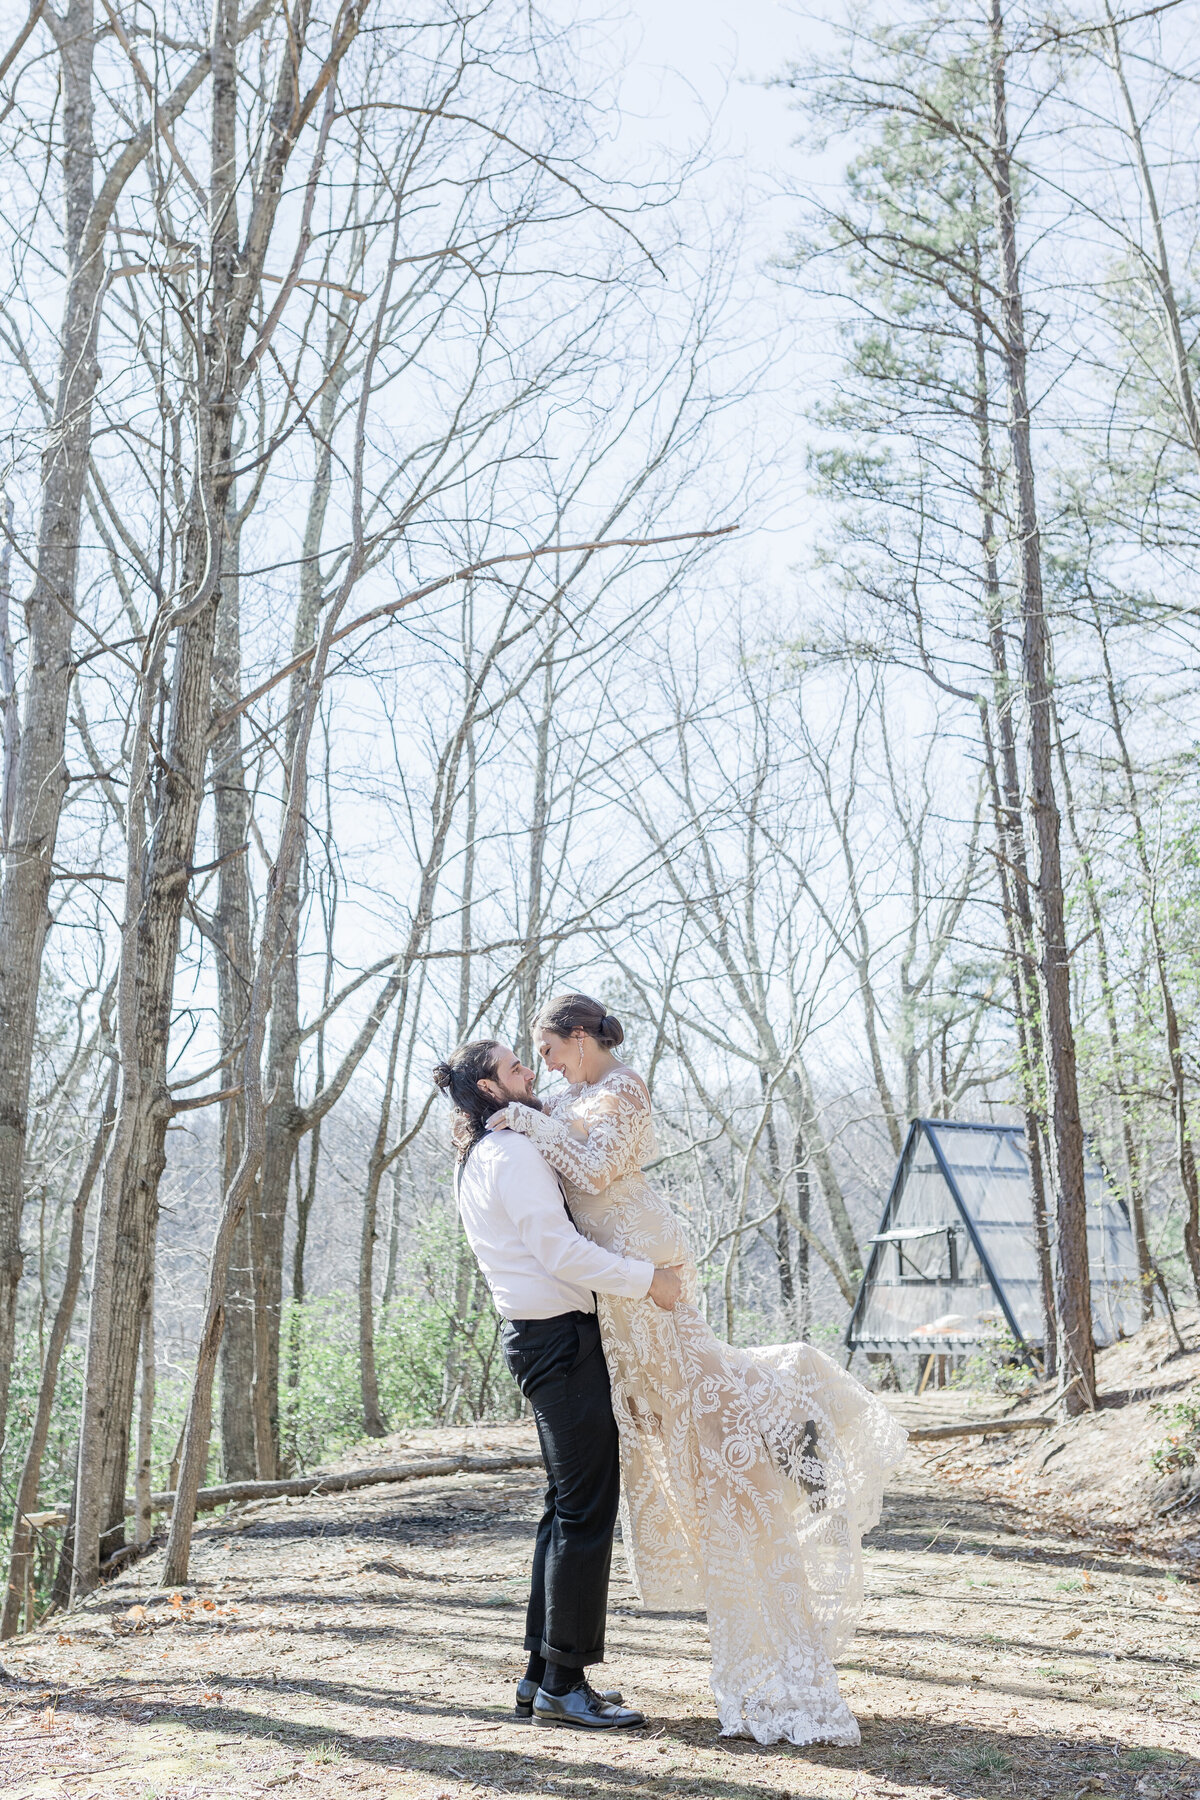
<point>559,1679</point>
<point>536,1668</point>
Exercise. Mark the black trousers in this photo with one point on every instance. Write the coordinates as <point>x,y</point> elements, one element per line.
<point>559,1366</point>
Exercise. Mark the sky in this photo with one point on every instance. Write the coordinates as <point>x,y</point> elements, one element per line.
<point>700,70</point>
<point>698,58</point>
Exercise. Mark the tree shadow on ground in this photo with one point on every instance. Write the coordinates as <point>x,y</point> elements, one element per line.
<point>1066,1653</point>
<point>957,1526</point>
<point>965,1761</point>
<point>396,1528</point>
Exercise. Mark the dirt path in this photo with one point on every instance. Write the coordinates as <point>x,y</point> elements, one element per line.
<point>368,1645</point>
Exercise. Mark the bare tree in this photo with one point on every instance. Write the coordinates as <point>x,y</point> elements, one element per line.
<point>229,346</point>
<point>38,774</point>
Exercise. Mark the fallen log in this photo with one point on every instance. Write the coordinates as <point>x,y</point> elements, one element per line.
<point>977,1427</point>
<point>300,1487</point>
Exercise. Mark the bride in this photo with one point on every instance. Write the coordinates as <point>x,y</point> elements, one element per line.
<point>749,1476</point>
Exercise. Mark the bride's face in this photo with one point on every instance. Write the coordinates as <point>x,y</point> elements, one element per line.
<point>561,1055</point>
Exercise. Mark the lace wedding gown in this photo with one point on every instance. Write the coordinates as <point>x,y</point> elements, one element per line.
<point>749,1476</point>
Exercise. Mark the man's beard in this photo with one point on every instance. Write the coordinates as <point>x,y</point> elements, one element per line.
<point>532,1102</point>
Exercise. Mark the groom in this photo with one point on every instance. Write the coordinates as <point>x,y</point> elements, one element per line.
<point>544,1277</point>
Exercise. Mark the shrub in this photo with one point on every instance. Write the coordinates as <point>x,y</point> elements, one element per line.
<point>1180,1449</point>
<point>437,1354</point>
<point>996,1367</point>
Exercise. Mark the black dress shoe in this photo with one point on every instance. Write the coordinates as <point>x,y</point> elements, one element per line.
<point>527,1688</point>
<point>584,1709</point>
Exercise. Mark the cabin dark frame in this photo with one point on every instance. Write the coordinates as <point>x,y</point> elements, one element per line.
<point>948,1345</point>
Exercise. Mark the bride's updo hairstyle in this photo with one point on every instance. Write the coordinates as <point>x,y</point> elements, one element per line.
<point>565,1014</point>
<point>459,1077</point>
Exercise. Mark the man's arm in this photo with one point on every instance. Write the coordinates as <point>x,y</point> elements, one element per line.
<point>534,1202</point>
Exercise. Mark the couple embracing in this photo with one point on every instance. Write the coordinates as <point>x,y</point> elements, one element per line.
<point>749,1476</point>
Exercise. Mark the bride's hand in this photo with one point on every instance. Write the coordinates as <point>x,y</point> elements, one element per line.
<point>666,1289</point>
<point>499,1121</point>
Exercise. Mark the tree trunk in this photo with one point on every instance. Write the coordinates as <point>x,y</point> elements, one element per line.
<point>1077,1375</point>
<point>306,1194</point>
<point>374,1423</point>
<point>233,953</point>
<point>803,1257</point>
<point>1028,1055</point>
<point>286,1122</point>
<point>1133,1182</point>
<point>121,1284</point>
<point>31,1472</point>
<point>158,874</point>
<point>529,978</point>
<point>783,1236</point>
<point>39,781</point>
<point>304,1204</point>
<point>811,1145</point>
<point>10,705</point>
<point>143,1515</point>
<point>468,894</point>
<point>155,897</point>
<point>276,926</point>
<point>1012,866</point>
<point>1185,1157</point>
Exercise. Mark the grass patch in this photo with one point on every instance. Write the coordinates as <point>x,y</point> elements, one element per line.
<point>1145,1757</point>
<point>327,1754</point>
<point>988,1760</point>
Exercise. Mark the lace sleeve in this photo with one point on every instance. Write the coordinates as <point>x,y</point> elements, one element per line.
<point>616,1124</point>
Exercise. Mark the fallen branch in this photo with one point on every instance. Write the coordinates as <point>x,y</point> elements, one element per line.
<point>127,1553</point>
<point>923,1432</point>
<point>1188,1498</point>
<point>301,1486</point>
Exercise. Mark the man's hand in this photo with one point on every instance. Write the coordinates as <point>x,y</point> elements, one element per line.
<point>666,1290</point>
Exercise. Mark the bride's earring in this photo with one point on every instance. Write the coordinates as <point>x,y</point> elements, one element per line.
<point>581,1059</point>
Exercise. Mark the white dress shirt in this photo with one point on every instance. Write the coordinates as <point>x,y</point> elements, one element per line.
<point>533,1259</point>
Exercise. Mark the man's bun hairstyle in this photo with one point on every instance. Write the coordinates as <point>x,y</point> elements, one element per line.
<point>459,1077</point>
<point>565,1014</point>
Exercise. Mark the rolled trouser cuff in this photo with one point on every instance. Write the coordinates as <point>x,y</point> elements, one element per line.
<point>567,1659</point>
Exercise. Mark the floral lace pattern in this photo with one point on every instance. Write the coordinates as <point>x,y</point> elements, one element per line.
<point>749,1476</point>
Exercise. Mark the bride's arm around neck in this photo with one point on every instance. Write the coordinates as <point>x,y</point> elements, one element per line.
<point>616,1121</point>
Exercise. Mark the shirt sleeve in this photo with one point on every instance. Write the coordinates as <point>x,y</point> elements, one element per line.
<point>534,1202</point>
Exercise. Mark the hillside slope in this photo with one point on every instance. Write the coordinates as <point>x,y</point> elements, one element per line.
<point>1122,1471</point>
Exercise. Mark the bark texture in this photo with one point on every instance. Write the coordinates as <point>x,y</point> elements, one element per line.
<point>39,779</point>
<point>1072,1280</point>
<point>233,954</point>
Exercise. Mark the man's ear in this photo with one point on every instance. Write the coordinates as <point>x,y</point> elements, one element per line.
<point>492,1089</point>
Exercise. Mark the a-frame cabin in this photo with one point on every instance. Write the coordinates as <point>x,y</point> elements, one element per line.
<point>954,1263</point>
